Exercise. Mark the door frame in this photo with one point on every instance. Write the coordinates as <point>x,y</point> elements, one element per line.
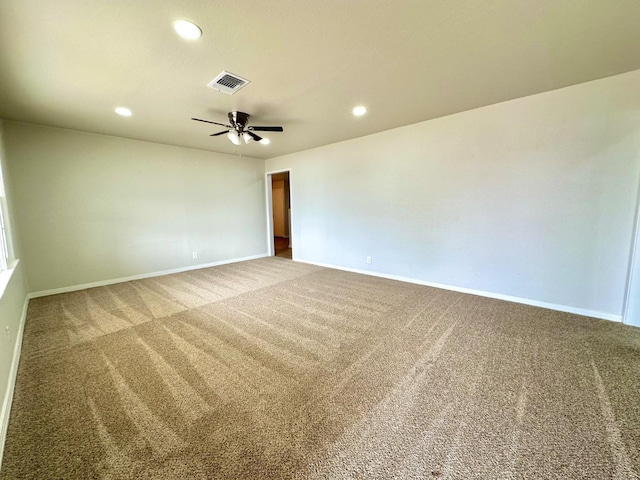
<point>269,202</point>
<point>631,301</point>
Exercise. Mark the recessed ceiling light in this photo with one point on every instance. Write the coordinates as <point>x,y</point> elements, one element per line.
<point>187,30</point>
<point>359,111</point>
<point>265,141</point>
<point>123,111</point>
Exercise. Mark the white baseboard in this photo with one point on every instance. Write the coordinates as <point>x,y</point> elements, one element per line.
<point>526,301</point>
<point>8,398</point>
<point>102,283</point>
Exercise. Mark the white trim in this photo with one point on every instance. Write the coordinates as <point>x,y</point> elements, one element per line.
<point>102,283</point>
<point>269,201</point>
<point>630,280</point>
<point>498,296</point>
<point>13,373</point>
<point>271,249</point>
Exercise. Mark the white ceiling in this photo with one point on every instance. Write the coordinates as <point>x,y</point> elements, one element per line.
<point>68,63</point>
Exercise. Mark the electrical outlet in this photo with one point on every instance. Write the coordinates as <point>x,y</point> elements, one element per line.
<point>195,254</point>
<point>368,259</point>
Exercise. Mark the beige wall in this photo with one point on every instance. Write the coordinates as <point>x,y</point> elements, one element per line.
<point>92,208</point>
<point>13,296</point>
<point>532,199</point>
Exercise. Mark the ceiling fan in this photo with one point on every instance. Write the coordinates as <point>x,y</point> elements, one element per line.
<point>239,130</point>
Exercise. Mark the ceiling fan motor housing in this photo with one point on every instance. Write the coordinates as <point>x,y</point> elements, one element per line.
<point>239,120</point>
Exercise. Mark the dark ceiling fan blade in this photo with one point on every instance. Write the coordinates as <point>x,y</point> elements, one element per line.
<point>254,136</point>
<point>219,133</point>
<point>209,121</point>
<point>267,129</point>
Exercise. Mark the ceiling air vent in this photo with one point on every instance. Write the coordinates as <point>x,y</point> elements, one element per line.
<point>228,83</point>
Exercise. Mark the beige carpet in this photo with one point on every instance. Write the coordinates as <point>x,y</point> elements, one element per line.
<point>272,369</point>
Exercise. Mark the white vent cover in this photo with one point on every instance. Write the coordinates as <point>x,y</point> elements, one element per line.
<point>228,83</point>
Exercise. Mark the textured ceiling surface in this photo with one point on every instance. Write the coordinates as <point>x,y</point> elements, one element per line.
<point>68,63</point>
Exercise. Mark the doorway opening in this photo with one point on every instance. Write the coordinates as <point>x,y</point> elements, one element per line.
<point>279,206</point>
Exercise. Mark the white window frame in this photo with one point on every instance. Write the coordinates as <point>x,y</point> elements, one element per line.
<point>4,244</point>
<point>4,232</point>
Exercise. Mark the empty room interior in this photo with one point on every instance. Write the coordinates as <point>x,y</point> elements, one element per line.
<point>320,240</point>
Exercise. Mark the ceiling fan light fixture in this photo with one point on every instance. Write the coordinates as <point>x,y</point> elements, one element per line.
<point>233,136</point>
<point>187,30</point>
<point>238,129</point>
